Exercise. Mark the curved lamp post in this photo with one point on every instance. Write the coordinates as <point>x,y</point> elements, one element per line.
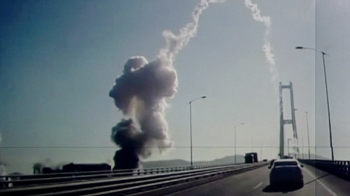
<point>202,97</point>
<point>325,79</point>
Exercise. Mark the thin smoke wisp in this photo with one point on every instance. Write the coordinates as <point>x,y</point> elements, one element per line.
<point>267,46</point>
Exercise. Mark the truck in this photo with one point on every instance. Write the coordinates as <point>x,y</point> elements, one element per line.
<point>251,157</point>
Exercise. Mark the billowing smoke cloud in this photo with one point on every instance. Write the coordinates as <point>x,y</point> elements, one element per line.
<point>141,93</point>
<point>267,46</point>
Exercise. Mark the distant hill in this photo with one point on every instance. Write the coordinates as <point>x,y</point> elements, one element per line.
<point>165,163</point>
<point>180,162</point>
<point>227,160</point>
<point>313,156</point>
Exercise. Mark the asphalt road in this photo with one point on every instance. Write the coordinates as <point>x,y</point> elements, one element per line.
<point>256,182</point>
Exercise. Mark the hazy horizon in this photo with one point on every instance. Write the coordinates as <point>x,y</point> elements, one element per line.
<point>60,59</point>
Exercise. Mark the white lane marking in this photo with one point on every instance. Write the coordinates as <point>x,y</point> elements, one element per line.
<point>324,186</point>
<point>257,186</point>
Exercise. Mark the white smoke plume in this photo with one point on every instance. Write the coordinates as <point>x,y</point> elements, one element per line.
<point>267,46</point>
<point>3,171</point>
<point>141,93</point>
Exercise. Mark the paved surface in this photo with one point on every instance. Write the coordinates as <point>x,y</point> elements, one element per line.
<point>256,182</point>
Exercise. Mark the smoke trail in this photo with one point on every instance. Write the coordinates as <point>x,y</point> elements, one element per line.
<point>141,93</point>
<point>267,46</point>
<point>174,43</point>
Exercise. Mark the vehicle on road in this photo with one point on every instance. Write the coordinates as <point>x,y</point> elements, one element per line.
<point>286,172</point>
<point>271,163</point>
<point>251,157</point>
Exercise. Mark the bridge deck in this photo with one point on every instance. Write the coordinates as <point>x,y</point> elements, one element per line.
<point>256,182</point>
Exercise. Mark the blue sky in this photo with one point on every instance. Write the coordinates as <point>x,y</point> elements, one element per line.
<point>59,59</point>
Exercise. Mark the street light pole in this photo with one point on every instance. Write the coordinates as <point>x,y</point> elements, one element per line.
<point>235,142</point>
<point>325,79</point>
<point>329,114</point>
<point>288,145</point>
<point>308,136</point>
<point>203,97</point>
<point>302,142</point>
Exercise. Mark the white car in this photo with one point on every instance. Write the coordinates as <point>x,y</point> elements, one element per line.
<point>286,172</point>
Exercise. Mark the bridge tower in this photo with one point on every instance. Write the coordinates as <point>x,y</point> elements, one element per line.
<point>287,121</point>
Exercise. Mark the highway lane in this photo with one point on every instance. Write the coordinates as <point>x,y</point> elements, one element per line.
<point>256,182</point>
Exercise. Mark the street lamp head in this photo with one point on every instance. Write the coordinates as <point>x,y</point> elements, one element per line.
<point>299,47</point>
<point>202,97</point>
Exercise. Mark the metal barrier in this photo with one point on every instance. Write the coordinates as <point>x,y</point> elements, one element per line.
<point>21,180</point>
<point>337,168</point>
<point>126,185</point>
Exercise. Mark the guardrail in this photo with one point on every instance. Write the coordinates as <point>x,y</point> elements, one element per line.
<point>21,180</point>
<point>127,185</point>
<point>337,168</point>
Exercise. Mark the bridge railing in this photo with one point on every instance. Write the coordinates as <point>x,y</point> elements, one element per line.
<point>133,184</point>
<point>20,180</point>
<point>337,167</point>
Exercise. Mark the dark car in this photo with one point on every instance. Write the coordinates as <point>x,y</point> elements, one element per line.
<point>286,172</point>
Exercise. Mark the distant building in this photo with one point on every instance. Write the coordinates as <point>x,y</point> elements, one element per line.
<point>71,167</point>
<point>86,167</point>
<point>48,170</point>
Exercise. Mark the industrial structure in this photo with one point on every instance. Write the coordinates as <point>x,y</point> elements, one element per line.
<point>73,167</point>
